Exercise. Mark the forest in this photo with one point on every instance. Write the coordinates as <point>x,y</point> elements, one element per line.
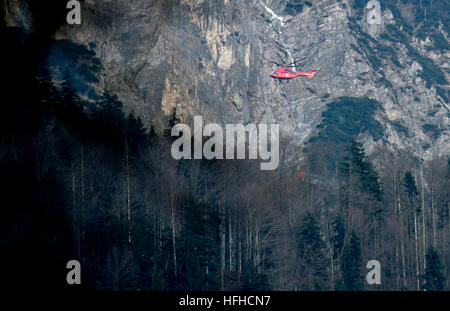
<point>88,181</point>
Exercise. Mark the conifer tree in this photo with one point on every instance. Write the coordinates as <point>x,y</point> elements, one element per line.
<point>109,118</point>
<point>356,163</point>
<point>199,258</point>
<point>339,234</point>
<point>434,278</point>
<point>351,264</point>
<point>174,119</point>
<point>414,210</point>
<point>311,248</point>
<point>136,133</point>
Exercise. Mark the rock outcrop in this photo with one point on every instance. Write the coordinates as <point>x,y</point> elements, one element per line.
<point>213,58</point>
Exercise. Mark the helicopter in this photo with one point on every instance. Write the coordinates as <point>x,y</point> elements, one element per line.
<point>286,72</point>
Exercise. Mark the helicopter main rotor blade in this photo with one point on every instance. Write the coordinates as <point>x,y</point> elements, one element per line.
<point>278,64</point>
<point>293,63</point>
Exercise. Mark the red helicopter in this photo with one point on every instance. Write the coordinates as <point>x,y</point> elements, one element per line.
<point>286,72</point>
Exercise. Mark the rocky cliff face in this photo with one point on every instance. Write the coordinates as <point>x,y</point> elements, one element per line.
<point>212,58</point>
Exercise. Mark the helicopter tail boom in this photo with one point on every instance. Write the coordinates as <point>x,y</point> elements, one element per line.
<point>312,73</point>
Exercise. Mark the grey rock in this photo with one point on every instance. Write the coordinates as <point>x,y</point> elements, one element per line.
<point>212,58</point>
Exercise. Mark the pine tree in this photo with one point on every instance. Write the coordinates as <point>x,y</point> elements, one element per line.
<point>414,209</point>
<point>136,133</point>
<point>199,258</point>
<point>434,278</point>
<point>110,119</point>
<point>174,119</point>
<point>65,102</point>
<point>339,235</point>
<point>110,106</point>
<point>356,163</point>
<point>410,185</point>
<point>68,93</point>
<point>311,248</point>
<point>351,264</point>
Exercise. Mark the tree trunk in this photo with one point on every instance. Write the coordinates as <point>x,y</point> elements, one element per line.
<point>82,221</point>
<point>400,227</point>
<point>230,241</point>
<point>238,253</point>
<point>172,219</point>
<point>222,242</point>
<point>128,192</point>
<point>433,218</point>
<point>424,228</point>
<point>257,247</point>
<point>417,250</point>
<point>349,222</point>
<point>76,230</point>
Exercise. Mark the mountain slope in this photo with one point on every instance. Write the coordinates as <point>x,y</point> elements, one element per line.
<point>213,58</point>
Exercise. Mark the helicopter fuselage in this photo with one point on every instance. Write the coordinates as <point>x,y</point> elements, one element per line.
<point>288,73</point>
